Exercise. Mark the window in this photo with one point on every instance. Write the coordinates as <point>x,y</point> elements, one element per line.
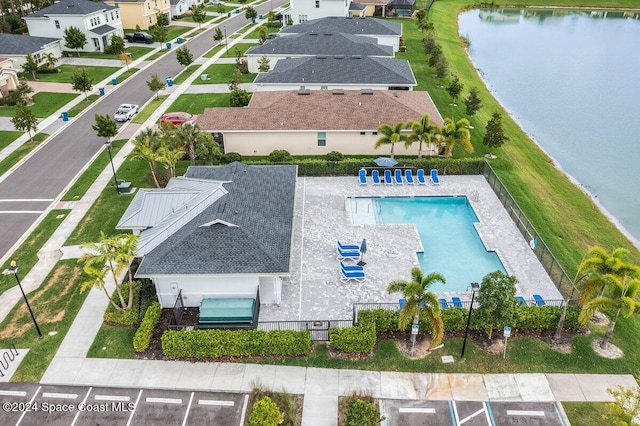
<point>324,87</point>
<point>151,19</point>
<point>57,24</point>
<point>117,16</point>
<point>156,3</point>
<point>322,138</point>
<point>317,4</point>
<point>148,5</point>
<point>37,58</point>
<point>302,18</point>
<point>363,133</point>
<point>374,133</point>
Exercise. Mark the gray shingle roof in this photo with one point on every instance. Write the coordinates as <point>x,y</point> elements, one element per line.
<point>357,6</point>
<point>336,70</point>
<point>260,205</point>
<point>71,7</point>
<point>103,29</point>
<point>348,25</point>
<point>321,44</point>
<point>16,44</point>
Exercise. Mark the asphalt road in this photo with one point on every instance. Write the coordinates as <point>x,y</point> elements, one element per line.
<point>30,190</point>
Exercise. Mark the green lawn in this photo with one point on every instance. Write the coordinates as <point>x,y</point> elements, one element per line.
<point>196,103</point>
<point>113,342</point>
<point>146,112</point>
<point>240,47</point>
<point>135,51</point>
<point>66,71</point>
<point>159,53</point>
<point>176,31</point>
<point>45,104</point>
<point>214,9</point>
<point>256,33</point>
<point>17,155</point>
<point>8,136</point>
<point>84,103</point>
<point>587,413</point>
<point>222,73</point>
<point>189,18</point>
<point>185,73</point>
<point>215,50</point>
<point>125,75</point>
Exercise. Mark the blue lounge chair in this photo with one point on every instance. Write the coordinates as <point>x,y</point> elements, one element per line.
<point>408,176</point>
<point>420,177</point>
<point>348,247</point>
<point>398,176</point>
<point>434,177</point>
<point>387,177</point>
<point>443,303</point>
<point>346,275</point>
<point>456,302</point>
<point>538,300</point>
<point>375,177</point>
<point>350,254</point>
<point>401,302</point>
<point>351,267</point>
<point>520,301</point>
<point>362,176</point>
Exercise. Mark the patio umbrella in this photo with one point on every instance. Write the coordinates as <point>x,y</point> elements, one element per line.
<point>385,162</point>
<point>363,250</point>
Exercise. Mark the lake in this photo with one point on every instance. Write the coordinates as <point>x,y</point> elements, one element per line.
<point>570,79</point>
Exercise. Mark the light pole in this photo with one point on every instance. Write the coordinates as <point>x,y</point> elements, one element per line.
<point>226,43</point>
<point>474,287</point>
<point>115,178</point>
<point>13,269</point>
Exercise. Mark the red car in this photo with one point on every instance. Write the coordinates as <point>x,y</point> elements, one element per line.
<point>178,118</point>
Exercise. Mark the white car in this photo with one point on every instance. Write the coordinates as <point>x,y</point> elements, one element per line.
<point>125,112</point>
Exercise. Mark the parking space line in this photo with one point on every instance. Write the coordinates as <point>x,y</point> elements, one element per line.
<point>135,407</point>
<point>30,402</point>
<point>525,413</point>
<point>555,405</point>
<point>84,401</point>
<point>417,410</point>
<point>59,395</point>
<point>490,414</point>
<point>214,402</point>
<point>12,393</point>
<point>470,416</point>
<point>452,412</point>
<point>111,398</point>
<point>186,415</point>
<point>164,400</point>
<point>244,409</point>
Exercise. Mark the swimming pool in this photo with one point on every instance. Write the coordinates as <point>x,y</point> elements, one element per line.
<point>451,244</point>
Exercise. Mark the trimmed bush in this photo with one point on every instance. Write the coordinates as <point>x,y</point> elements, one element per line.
<point>362,413</point>
<point>359,339</point>
<point>280,156</point>
<point>265,412</point>
<point>143,336</point>
<point>335,156</point>
<point>546,317</point>
<point>129,317</point>
<point>45,69</point>
<point>230,157</point>
<point>238,343</point>
<point>147,297</point>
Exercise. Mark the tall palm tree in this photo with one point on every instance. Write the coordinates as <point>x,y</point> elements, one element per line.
<point>422,131</point>
<point>597,266</point>
<point>457,133</point>
<point>51,59</point>
<point>125,247</point>
<point>188,134</point>
<point>620,298</point>
<point>169,156</point>
<point>420,299</point>
<point>145,144</point>
<point>97,276</point>
<point>391,135</point>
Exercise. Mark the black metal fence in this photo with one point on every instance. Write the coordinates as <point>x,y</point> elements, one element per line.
<point>175,323</point>
<point>319,328</point>
<point>548,261</point>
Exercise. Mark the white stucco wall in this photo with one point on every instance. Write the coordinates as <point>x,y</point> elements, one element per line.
<point>194,289</point>
<point>326,8</point>
<point>54,48</point>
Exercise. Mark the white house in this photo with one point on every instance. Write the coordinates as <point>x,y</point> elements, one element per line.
<point>316,122</point>
<point>8,76</point>
<point>16,47</point>
<point>304,10</point>
<point>98,21</point>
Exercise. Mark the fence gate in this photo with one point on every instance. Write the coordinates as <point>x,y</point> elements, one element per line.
<point>319,330</point>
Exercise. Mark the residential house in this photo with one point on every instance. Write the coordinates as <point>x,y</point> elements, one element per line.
<point>8,76</point>
<point>16,47</point>
<point>98,21</point>
<point>338,72</point>
<point>301,11</point>
<point>313,44</point>
<point>218,232</point>
<point>317,122</point>
<point>141,13</point>
<point>385,32</point>
<point>402,8</point>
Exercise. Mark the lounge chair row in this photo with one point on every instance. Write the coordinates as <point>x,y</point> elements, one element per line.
<point>350,272</point>
<point>397,178</point>
<point>536,300</point>
<point>455,302</point>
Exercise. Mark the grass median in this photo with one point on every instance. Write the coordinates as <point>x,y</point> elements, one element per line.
<point>196,103</point>
<point>222,74</point>
<point>149,109</point>
<point>44,104</point>
<point>8,136</point>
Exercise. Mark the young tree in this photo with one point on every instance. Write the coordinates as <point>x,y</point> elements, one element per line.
<point>30,65</point>
<point>220,8</point>
<point>625,411</point>
<point>429,43</point>
<point>22,92</point>
<point>454,89</point>
<point>497,300</point>
<point>117,45</point>
<point>238,97</point>
<point>436,52</point>
<point>420,300</point>
<point>145,145</point>
<point>456,133</point>
<point>218,34</point>
<point>74,38</point>
<point>169,155</point>
<point>473,103</point>
<point>262,34</point>
<point>198,14</point>
<point>264,64</point>
<point>51,60</point>
<point>441,67</point>
<point>390,135</point>
<point>207,149</point>
<point>160,30</point>
<point>105,127</point>
<point>156,84</point>
<point>81,81</point>
<point>494,136</point>
<point>596,267</point>
<point>188,136</point>
<point>250,13</point>
<point>25,120</point>
<point>184,56</point>
<point>125,58</point>
<point>422,131</point>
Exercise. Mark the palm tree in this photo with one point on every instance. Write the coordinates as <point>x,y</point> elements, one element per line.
<point>422,131</point>
<point>51,59</point>
<point>97,276</point>
<point>169,156</point>
<point>188,134</point>
<point>145,144</point>
<point>391,135</point>
<point>457,133</point>
<point>597,266</point>
<point>621,295</point>
<point>420,299</point>
<point>125,247</point>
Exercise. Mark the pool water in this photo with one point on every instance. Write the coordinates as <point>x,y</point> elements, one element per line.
<point>451,244</point>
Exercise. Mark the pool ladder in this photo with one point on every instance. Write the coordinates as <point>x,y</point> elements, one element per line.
<point>474,195</point>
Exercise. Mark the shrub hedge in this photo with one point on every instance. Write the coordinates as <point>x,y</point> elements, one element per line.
<point>362,413</point>
<point>359,339</point>
<point>265,412</point>
<point>219,343</point>
<point>129,317</point>
<point>143,336</point>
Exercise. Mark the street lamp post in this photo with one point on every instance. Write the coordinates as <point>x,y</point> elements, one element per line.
<point>226,43</point>
<point>13,269</point>
<point>115,178</point>
<point>474,288</point>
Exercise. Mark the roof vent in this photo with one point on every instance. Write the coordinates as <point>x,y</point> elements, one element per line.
<point>366,92</point>
<point>321,57</point>
<point>339,56</point>
<point>313,34</point>
<point>219,222</point>
<point>356,56</point>
<point>328,34</point>
<point>304,92</point>
<point>337,92</point>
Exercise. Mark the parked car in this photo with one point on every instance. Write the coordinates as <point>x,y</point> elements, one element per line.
<point>215,2</point>
<point>178,118</point>
<point>125,112</point>
<point>139,37</point>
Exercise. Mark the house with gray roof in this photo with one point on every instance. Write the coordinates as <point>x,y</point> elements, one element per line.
<point>385,32</point>
<point>313,44</point>
<point>97,21</point>
<point>16,47</point>
<point>338,72</point>
<point>218,232</point>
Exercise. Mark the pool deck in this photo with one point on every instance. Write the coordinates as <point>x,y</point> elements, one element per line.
<point>322,217</point>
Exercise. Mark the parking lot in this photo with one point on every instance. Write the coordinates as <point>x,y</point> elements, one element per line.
<point>31,404</point>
